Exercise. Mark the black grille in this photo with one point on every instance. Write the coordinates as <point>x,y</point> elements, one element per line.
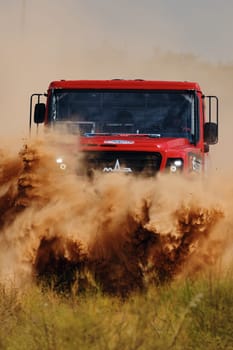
<point>147,163</point>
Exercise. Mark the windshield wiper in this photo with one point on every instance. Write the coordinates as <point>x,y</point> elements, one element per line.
<point>154,135</point>
<point>89,134</point>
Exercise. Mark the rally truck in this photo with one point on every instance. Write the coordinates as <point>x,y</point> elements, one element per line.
<point>131,126</point>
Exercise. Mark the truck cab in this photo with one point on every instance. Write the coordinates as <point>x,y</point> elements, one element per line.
<point>132,126</point>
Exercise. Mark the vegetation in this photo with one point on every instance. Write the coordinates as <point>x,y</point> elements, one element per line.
<point>190,314</point>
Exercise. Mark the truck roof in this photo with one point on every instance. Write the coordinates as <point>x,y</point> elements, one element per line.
<point>125,84</point>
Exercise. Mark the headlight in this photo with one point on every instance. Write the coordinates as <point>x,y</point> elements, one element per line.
<point>174,164</point>
<point>61,163</point>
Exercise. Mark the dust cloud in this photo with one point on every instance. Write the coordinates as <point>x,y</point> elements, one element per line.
<point>123,231</point>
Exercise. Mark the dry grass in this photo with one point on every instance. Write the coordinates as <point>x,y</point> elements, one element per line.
<point>183,315</point>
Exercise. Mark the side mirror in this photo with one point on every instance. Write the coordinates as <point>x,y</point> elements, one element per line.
<point>39,113</point>
<point>211,133</point>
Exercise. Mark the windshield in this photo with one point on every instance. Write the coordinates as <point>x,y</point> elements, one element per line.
<point>158,113</point>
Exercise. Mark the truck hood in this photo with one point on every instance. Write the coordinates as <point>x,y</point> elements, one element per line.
<point>131,142</point>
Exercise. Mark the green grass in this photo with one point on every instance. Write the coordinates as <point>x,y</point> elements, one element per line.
<point>195,314</point>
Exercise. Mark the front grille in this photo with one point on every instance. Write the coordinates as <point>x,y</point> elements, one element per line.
<point>147,163</point>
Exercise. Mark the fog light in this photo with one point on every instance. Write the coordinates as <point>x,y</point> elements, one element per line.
<point>61,163</point>
<point>173,168</point>
<point>178,163</point>
<point>59,160</point>
<point>63,166</point>
<point>174,164</point>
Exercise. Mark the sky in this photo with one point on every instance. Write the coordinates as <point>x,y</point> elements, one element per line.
<point>201,27</point>
<point>43,41</point>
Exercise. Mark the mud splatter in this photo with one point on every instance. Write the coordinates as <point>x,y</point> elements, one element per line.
<point>124,231</point>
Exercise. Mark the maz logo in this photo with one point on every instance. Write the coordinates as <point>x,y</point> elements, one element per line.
<point>117,168</point>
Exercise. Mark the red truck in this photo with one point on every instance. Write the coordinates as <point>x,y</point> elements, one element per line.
<point>132,126</point>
